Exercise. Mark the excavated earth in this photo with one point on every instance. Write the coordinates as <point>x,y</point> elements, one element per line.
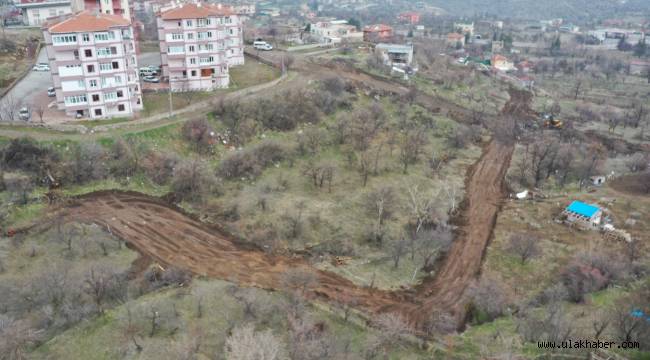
<point>172,237</point>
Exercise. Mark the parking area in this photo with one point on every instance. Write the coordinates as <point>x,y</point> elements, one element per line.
<point>31,92</point>
<point>149,59</point>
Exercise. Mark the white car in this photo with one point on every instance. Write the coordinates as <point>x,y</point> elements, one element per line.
<point>262,45</point>
<point>24,114</point>
<point>51,92</point>
<point>41,67</point>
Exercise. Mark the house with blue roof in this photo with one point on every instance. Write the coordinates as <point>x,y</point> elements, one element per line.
<point>583,214</point>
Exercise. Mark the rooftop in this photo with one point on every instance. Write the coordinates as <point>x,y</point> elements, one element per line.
<point>583,209</point>
<point>395,48</point>
<point>196,11</point>
<point>85,21</point>
<point>378,27</point>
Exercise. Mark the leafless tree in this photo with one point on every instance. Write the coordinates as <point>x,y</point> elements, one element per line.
<point>191,181</point>
<point>392,333</point>
<point>488,298</point>
<point>299,280</point>
<point>40,111</point>
<point>15,338</point>
<point>199,133</point>
<point>246,344</point>
<point>380,204</point>
<point>411,147</point>
<point>524,245</point>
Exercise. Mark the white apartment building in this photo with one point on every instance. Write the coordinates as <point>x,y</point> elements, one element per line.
<point>111,7</point>
<point>35,12</point>
<point>94,66</point>
<point>198,44</point>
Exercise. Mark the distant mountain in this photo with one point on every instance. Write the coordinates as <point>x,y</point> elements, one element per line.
<point>544,9</point>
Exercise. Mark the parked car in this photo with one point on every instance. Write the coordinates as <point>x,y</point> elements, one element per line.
<point>41,67</point>
<point>24,114</point>
<point>262,45</point>
<point>151,79</point>
<point>148,71</point>
<point>51,92</point>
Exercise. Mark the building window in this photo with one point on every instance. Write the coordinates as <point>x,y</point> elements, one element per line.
<point>175,49</point>
<point>118,79</point>
<point>92,83</point>
<point>95,97</point>
<point>193,73</point>
<point>98,112</point>
<point>176,36</point>
<point>113,50</point>
<point>116,65</point>
<point>105,36</point>
<point>105,67</point>
<point>103,51</point>
<point>91,68</point>
<point>190,36</point>
<point>120,93</point>
<point>52,12</point>
<point>64,39</point>
<point>193,61</point>
<point>110,96</point>
<point>191,48</point>
<point>179,24</point>
<point>188,22</point>
<point>121,107</point>
<point>85,37</point>
<point>72,100</point>
<point>88,53</point>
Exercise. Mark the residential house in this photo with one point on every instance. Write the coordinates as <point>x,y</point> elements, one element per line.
<point>525,66</point>
<point>94,66</point>
<point>35,12</point>
<point>199,42</point>
<point>497,47</point>
<point>502,63</point>
<point>584,215</point>
<point>464,28</point>
<point>335,31</point>
<point>455,40</point>
<point>410,17</point>
<point>377,33</point>
<point>396,55</point>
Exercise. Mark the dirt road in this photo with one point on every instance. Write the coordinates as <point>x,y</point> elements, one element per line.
<point>485,190</point>
<point>171,237</point>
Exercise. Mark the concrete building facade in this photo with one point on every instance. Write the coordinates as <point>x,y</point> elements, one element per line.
<point>36,12</point>
<point>93,65</point>
<point>199,42</point>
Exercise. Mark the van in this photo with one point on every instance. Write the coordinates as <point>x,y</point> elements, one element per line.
<point>262,45</point>
<point>147,71</point>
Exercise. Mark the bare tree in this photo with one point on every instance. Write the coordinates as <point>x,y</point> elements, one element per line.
<point>40,111</point>
<point>246,344</point>
<point>488,298</point>
<point>299,280</point>
<point>524,245</point>
<point>411,147</point>
<point>191,181</point>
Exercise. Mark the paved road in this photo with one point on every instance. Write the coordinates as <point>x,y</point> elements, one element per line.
<point>31,91</point>
<point>149,59</point>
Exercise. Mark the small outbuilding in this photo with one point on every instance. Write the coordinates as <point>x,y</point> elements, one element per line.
<point>598,180</point>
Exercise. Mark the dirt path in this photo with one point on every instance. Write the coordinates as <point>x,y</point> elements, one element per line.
<point>171,237</point>
<point>485,191</point>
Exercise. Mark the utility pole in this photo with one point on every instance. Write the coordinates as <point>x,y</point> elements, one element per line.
<point>171,106</point>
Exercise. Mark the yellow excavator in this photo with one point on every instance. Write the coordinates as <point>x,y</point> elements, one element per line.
<point>550,122</point>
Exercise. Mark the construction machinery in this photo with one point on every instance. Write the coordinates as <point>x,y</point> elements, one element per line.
<point>550,122</point>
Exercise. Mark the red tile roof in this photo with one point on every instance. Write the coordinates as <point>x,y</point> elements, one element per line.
<point>85,21</point>
<point>196,11</point>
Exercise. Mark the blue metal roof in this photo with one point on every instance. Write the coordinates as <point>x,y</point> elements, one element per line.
<point>583,209</point>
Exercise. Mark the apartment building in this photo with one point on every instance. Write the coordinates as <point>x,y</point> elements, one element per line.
<point>111,7</point>
<point>199,42</point>
<point>93,64</point>
<point>35,12</point>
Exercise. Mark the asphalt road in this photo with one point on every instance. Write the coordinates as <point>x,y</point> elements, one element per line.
<point>31,91</point>
<point>149,59</point>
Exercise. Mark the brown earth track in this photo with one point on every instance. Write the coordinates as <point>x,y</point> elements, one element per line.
<point>168,235</point>
<point>171,237</point>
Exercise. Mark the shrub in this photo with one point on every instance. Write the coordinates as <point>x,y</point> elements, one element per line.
<point>252,161</point>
